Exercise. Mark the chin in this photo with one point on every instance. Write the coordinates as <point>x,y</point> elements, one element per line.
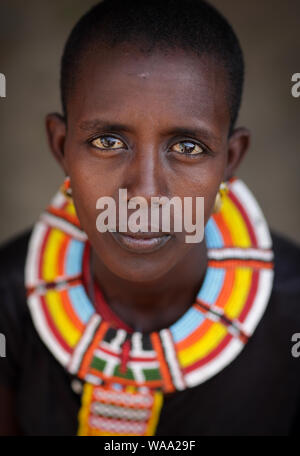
<point>141,269</point>
<point>138,266</point>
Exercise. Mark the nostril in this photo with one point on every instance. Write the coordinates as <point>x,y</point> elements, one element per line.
<point>140,200</point>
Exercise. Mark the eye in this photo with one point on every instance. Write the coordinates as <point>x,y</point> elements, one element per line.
<point>108,143</point>
<point>188,148</point>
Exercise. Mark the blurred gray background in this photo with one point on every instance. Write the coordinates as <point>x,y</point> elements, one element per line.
<point>32,35</point>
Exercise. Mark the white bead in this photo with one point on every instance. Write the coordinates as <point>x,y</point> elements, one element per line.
<point>76,386</point>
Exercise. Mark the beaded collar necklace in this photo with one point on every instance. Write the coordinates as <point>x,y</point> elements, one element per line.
<point>126,374</point>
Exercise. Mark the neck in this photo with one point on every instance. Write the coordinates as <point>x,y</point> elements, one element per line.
<point>154,305</point>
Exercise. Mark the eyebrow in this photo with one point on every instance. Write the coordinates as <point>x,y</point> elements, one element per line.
<point>198,131</point>
<point>98,124</point>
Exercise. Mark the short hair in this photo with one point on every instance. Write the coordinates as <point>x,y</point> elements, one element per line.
<point>192,25</point>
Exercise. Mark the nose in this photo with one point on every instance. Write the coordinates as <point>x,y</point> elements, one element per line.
<point>146,174</point>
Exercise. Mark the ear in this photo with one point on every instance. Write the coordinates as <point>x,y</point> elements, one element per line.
<point>56,132</point>
<point>238,145</point>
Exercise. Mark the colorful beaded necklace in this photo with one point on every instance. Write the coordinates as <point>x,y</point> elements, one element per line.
<point>126,373</point>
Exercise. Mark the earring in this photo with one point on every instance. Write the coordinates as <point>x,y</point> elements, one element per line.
<point>66,188</point>
<point>223,190</point>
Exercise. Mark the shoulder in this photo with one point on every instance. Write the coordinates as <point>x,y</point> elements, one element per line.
<point>285,297</point>
<point>12,274</point>
<point>287,264</point>
<point>13,256</point>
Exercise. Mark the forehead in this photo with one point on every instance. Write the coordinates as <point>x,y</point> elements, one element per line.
<point>125,84</point>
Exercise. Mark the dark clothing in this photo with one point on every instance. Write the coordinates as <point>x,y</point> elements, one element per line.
<point>257,394</point>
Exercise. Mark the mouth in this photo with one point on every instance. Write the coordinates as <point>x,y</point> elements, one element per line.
<point>142,242</point>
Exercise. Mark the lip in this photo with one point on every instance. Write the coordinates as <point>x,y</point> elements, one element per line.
<point>141,242</point>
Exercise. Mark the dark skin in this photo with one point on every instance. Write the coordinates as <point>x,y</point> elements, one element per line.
<point>130,116</point>
<point>151,104</point>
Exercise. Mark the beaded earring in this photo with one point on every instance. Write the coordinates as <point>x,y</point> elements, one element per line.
<point>66,187</point>
<point>223,190</point>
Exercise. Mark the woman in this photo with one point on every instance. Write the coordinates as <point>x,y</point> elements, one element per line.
<point>123,333</point>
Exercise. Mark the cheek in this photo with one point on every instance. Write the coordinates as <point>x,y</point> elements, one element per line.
<point>202,182</point>
<point>90,181</point>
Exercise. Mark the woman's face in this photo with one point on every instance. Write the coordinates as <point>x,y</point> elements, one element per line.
<point>155,125</point>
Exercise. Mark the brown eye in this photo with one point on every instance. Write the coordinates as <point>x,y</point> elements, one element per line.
<point>188,148</point>
<point>108,143</point>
